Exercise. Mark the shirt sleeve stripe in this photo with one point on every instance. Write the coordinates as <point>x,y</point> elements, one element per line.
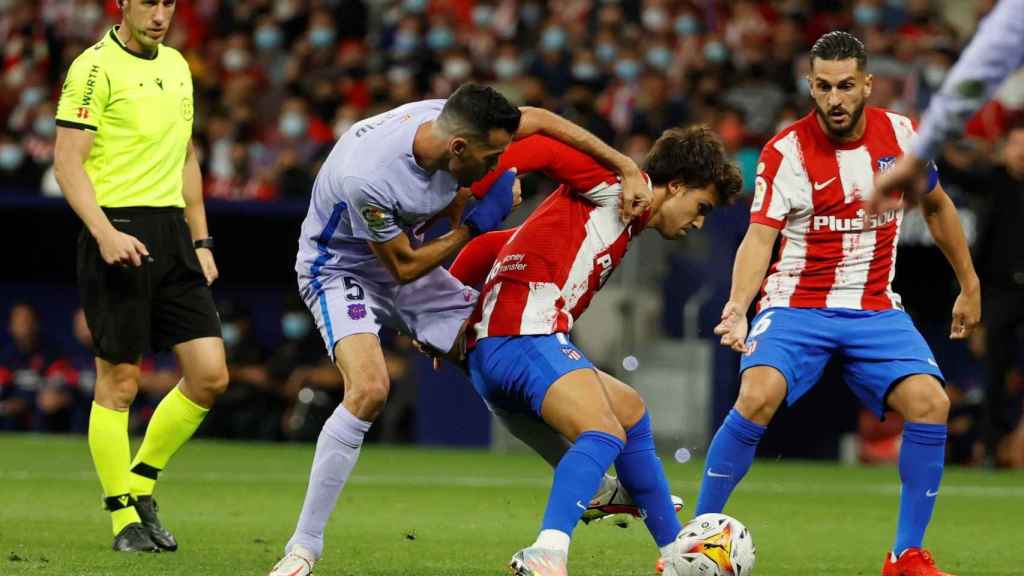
<point>76,125</point>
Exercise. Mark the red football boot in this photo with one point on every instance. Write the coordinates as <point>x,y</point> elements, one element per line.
<point>913,562</point>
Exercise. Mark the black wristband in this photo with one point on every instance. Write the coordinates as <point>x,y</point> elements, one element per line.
<point>203,243</point>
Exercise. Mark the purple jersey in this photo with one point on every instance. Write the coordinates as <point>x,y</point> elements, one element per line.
<point>996,50</point>
<point>370,189</point>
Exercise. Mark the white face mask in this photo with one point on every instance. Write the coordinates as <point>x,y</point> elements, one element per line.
<point>292,125</point>
<point>457,69</point>
<point>934,74</point>
<point>235,59</point>
<point>505,68</point>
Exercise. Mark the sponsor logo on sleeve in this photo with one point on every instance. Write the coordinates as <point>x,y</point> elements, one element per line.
<point>375,217</point>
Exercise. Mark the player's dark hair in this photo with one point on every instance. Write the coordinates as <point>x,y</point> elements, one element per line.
<point>474,110</point>
<point>694,155</point>
<point>839,46</point>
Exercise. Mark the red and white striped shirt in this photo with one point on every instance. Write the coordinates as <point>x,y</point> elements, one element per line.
<point>547,272</point>
<point>814,190</point>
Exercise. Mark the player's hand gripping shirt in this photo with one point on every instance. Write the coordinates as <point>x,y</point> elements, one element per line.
<point>546,274</point>
<point>370,189</point>
<point>833,255</point>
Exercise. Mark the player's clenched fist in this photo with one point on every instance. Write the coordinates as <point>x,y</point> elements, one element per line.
<point>966,314</point>
<point>636,195</point>
<point>733,327</point>
<point>118,248</point>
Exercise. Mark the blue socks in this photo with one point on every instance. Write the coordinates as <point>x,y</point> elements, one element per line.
<point>642,475</point>
<point>729,458</point>
<point>922,457</point>
<point>577,477</point>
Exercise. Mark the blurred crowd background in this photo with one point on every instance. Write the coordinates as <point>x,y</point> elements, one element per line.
<point>278,81</point>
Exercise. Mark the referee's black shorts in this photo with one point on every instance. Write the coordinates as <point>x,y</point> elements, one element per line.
<point>132,310</point>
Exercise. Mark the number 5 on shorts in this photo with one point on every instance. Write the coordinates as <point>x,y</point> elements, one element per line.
<point>353,291</point>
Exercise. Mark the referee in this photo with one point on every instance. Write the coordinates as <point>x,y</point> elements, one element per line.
<point>126,165</point>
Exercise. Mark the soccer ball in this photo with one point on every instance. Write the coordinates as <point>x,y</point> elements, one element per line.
<point>712,545</point>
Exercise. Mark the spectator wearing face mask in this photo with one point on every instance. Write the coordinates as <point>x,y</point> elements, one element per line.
<point>309,384</point>
<point>251,408</point>
<point>64,401</point>
<point>23,365</point>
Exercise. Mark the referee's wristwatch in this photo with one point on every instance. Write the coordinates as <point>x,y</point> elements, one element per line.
<point>203,243</point>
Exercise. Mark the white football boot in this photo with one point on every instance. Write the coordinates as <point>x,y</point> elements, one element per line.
<point>535,561</point>
<point>297,562</point>
<point>613,500</point>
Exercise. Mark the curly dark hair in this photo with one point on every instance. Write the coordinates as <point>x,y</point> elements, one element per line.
<point>695,155</point>
<point>840,45</point>
<point>474,110</point>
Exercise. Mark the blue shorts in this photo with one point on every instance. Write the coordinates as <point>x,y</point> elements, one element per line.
<point>513,373</point>
<point>877,349</point>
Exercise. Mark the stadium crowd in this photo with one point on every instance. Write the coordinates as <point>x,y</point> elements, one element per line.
<point>278,81</point>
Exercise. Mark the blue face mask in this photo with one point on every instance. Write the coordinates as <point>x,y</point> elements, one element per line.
<point>553,39</point>
<point>585,71</point>
<point>321,37</point>
<point>415,6</point>
<point>268,38</point>
<point>440,38</point>
<point>295,325</point>
<point>866,15</point>
<point>32,96</point>
<point>606,52</point>
<point>483,15</point>
<point>292,125</point>
<point>44,126</point>
<point>405,43</point>
<point>716,52</point>
<point>11,156</point>
<point>686,26</point>
<point>231,335</point>
<point>659,57</point>
<point>627,70</point>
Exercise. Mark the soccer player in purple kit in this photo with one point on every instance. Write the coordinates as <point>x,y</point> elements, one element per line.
<point>363,264</point>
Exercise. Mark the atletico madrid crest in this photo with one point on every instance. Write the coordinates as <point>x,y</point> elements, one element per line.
<point>572,353</point>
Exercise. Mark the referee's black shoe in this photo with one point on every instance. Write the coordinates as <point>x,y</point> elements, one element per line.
<point>162,537</point>
<point>134,538</point>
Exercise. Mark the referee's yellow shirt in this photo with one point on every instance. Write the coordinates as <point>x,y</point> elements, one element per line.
<point>141,109</point>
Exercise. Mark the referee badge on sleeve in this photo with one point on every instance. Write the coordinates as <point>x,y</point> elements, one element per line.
<point>187,108</point>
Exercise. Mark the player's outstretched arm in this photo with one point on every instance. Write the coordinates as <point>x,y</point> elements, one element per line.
<point>195,212</point>
<point>752,260</point>
<point>996,50</point>
<point>70,153</point>
<point>636,194</point>
<point>944,224</point>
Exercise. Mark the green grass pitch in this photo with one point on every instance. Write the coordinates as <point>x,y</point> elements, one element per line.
<point>439,512</point>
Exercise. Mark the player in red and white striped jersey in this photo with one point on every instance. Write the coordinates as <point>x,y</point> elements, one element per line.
<point>542,277</point>
<point>829,291</point>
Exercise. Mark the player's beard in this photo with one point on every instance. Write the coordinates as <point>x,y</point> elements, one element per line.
<point>839,133</point>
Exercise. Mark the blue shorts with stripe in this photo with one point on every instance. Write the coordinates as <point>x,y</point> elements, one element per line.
<point>877,349</point>
<point>513,373</point>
